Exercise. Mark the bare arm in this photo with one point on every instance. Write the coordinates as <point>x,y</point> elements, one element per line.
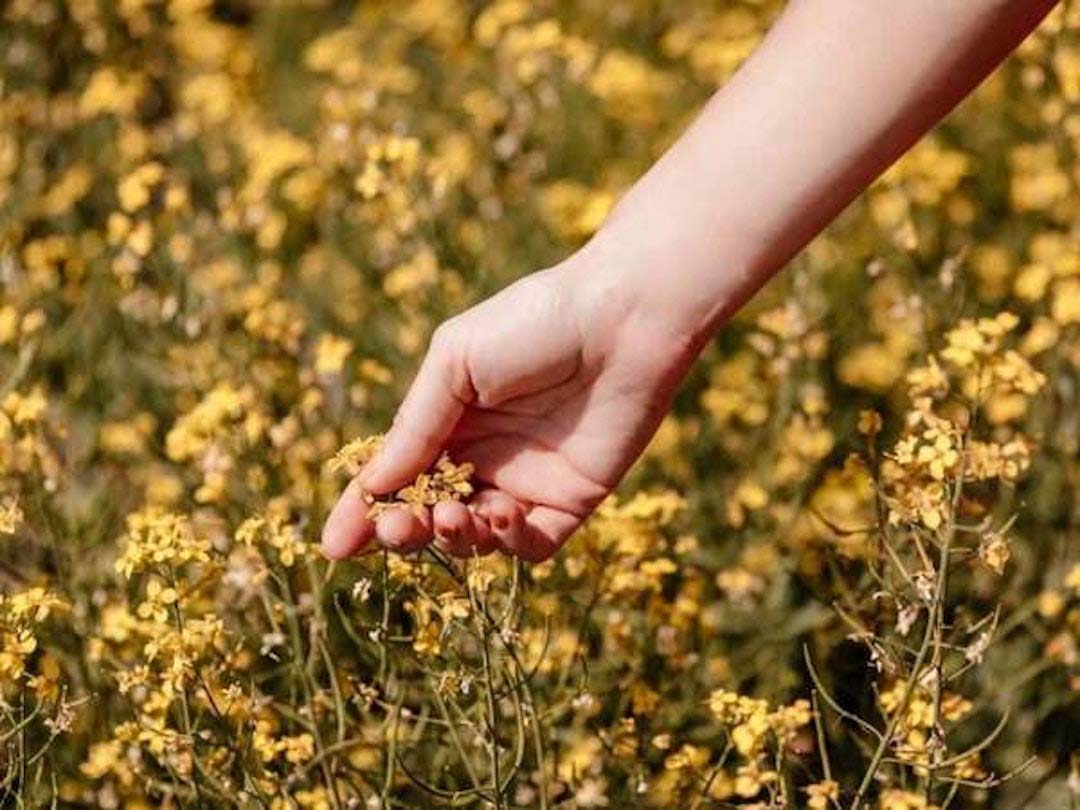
<point>836,92</point>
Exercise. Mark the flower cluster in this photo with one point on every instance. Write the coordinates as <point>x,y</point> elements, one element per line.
<point>446,481</point>
<point>754,728</point>
<point>938,444</point>
<point>229,231</point>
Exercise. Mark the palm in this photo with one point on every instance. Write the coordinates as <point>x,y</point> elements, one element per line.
<point>565,444</point>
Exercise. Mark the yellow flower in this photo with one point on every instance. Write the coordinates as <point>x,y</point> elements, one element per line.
<point>1065,305</point>
<point>896,799</point>
<point>197,430</point>
<point>573,210</point>
<point>447,482</point>
<point>995,554</point>
<point>354,455</point>
<point>31,605</point>
<point>156,538</point>
<point>331,352</point>
<point>109,758</point>
<point>1072,579</point>
<point>298,749</point>
<point>135,189</point>
<point>418,273</point>
<point>822,794</point>
<point>11,516</point>
<point>72,186</point>
<point>111,91</point>
<point>157,603</point>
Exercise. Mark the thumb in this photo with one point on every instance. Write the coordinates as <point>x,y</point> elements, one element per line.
<point>435,402</point>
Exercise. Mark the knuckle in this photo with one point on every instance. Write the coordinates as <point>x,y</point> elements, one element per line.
<point>448,359</point>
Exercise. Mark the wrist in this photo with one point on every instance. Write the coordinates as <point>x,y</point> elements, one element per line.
<point>686,283</point>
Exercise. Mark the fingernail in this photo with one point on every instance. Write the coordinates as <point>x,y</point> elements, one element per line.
<point>333,548</point>
<point>330,551</point>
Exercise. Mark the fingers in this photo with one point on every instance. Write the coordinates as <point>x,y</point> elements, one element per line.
<point>546,530</point>
<point>460,532</point>
<point>494,520</point>
<point>452,527</point>
<point>404,528</point>
<point>483,541</point>
<point>347,530</point>
<point>503,513</point>
<point>432,407</point>
<point>533,533</point>
<point>455,528</point>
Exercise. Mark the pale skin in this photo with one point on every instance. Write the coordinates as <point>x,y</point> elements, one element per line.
<point>553,387</point>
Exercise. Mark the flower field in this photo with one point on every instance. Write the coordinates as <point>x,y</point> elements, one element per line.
<point>844,576</point>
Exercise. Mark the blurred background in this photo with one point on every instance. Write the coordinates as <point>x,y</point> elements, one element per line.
<point>227,230</point>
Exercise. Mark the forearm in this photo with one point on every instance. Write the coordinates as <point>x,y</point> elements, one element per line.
<point>835,93</point>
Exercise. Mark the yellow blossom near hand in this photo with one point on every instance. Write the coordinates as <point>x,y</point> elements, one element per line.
<point>354,455</point>
<point>446,482</point>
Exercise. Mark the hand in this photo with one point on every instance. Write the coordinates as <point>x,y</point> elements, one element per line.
<point>551,388</point>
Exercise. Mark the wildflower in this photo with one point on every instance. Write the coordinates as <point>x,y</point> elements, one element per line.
<point>896,799</point>
<point>751,719</point>
<point>32,605</point>
<point>134,189</point>
<point>354,455</point>
<point>195,431</point>
<point>1072,579</point>
<point>995,553</point>
<point>248,276</point>
<point>449,481</point>
<point>288,542</point>
<point>298,749</point>
<point>15,647</point>
<point>821,794</point>
<point>158,601</point>
<point>331,352</point>
<point>446,481</point>
<point>108,758</point>
<point>155,538</point>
